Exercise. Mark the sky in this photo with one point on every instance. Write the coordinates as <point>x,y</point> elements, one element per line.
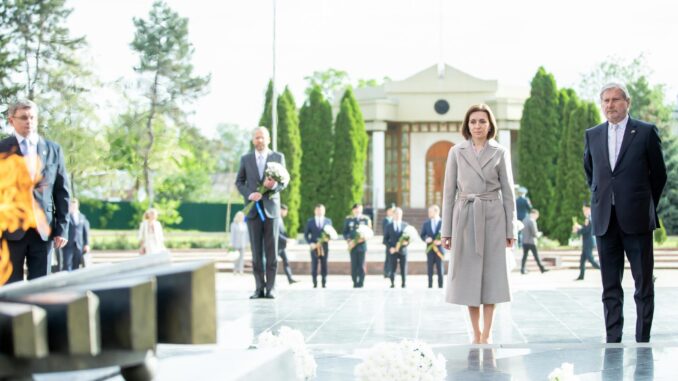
<point>493,39</point>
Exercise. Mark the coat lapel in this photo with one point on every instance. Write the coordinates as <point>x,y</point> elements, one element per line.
<point>629,134</point>
<point>604,136</point>
<point>470,157</point>
<point>488,153</point>
<point>42,154</point>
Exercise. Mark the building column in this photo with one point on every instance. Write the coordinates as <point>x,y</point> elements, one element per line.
<point>378,166</point>
<point>505,139</point>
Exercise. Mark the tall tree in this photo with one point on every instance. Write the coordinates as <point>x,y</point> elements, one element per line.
<point>350,155</point>
<point>538,145</point>
<point>9,62</point>
<point>571,188</point>
<point>39,34</point>
<point>289,143</point>
<point>166,71</point>
<point>315,123</point>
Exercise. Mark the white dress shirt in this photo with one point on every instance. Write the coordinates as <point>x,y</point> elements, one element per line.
<point>615,136</point>
<point>29,150</point>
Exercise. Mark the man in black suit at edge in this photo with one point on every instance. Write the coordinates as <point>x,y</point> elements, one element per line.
<point>45,162</point>
<point>626,173</point>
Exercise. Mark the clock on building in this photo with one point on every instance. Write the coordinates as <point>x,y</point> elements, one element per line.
<point>441,106</point>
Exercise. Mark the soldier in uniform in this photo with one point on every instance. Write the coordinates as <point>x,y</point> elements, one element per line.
<point>358,250</point>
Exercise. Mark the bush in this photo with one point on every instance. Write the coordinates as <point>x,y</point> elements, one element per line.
<point>127,240</point>
<point>660,234</point>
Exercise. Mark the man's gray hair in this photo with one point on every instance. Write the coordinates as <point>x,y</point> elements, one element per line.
<point>261,128</point>
<point>21,104</point>
<point>435,207</point>
<point>615,85</point>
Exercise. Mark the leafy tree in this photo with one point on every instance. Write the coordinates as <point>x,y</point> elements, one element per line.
<point>350,155</point>
<point>9,63</point>
<point>330,81</point>
<point>166,72</point>
<point>289,143</point>
<point>538,145</point>
<point>571,188</point>
<point>315,123</point>
<point>40,39</point>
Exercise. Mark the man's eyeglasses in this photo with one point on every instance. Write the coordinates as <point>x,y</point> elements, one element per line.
<point>24,117</point>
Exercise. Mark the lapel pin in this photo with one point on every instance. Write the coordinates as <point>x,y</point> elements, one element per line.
<point>633,131</point>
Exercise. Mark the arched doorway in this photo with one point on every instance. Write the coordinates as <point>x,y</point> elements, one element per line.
<point>436,157</point>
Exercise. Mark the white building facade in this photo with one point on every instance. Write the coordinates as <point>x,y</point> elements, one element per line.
<point>413,123</point>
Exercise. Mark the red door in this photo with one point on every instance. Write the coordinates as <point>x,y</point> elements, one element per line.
<point>436,157</point>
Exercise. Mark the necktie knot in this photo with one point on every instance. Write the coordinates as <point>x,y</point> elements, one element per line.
<point>24,147</point>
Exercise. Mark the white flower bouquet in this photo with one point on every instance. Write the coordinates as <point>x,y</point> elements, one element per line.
<point>291,338</point>
<point>408,234</point>
<point>404,361</point>
<point>275,171</point>
<point>328,233</point>
<point>564,373</point>
<point>362,234</point>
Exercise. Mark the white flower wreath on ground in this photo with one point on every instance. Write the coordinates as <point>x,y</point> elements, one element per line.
<point>287,337</point>
<point>404,361</point>
<point>564,373</point>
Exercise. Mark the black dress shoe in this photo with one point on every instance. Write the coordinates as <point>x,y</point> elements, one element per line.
<point>323,285</point>
<point>292,281</point>
<point>580,278</point>
<point>315,285</point>
<point>545,270</point>
<point>257,295</point>
<point>270,294</point>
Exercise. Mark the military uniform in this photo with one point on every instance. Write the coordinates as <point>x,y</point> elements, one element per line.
<point>351,224</point>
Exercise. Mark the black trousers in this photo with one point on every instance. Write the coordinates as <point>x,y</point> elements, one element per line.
<point>433,260</point>
<point>358,264</point>
<point>72,258</point>
<point>286,264</point>
<point>395,259</point>
<point>264,243</point>
<point>315,260</point>
<point>639,251</point>
<point>33,251</point>
<point>387,264</point>
<point>586,255</point>
<point>527,247</point>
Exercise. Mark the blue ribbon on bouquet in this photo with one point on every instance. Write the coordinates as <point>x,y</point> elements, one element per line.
<point>259,211</point>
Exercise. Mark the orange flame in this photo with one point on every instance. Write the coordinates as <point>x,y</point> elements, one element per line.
<point>18,209</point>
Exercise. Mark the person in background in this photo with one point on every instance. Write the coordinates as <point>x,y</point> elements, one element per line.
<point>282,244</point>
<point>397,248</point>
<point>78,238</point>
<point>240,241</point>
<point>357,249</point>
<point>151,237</point>
<point>523,207</point>
<point>430,234</point>
<point>587,242</point>
<point>319,255</point>
<point>530,234</point>
<point>388,218</point>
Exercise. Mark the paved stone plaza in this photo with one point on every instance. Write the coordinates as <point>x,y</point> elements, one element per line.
<point>551,320</point>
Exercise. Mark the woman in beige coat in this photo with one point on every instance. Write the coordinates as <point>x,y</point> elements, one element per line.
<point>478,218</point>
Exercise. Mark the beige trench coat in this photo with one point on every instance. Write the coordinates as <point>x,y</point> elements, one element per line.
<point>479,215</point>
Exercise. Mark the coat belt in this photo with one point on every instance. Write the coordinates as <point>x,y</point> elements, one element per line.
<point>474,201</point>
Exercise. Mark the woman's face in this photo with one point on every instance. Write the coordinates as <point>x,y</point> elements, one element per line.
<point>479,124</point>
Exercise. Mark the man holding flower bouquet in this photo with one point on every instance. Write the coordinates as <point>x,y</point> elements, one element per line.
<point>261,177</point>
<point>430,234</point>
<point>397,239</point>
<point>357,230</point>
<point>318,233</point>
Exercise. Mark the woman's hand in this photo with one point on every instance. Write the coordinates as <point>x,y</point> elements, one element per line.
<point>510,242</point>
<point>447,243</point>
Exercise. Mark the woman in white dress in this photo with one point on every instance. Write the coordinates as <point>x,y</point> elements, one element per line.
<point>151,238</point>
<point>240,241</point>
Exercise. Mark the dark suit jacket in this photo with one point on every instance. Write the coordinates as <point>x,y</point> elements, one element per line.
<point>248,182</point>
<point>637,181</point>
<point>52,193</point>
<point>427,232</point>
<point>78,234</point>
<point>523,207</point>
<point>586,232</point>
<point>391,236</point>
<point>311,232</point>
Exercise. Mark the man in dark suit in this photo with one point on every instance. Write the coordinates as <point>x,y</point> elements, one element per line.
<point>384,225</point>
<point>262,220</point>
<point>587,242</point>
<point>312,233</point>
<point>357,249</point>
<point>626,173</point>
<point>523,207</point>
<point>282,244</point>
<point>78,238</point>
<point>46,164</point>
<point>397,250</point>
<point>430,234</point>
